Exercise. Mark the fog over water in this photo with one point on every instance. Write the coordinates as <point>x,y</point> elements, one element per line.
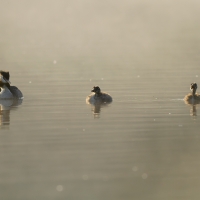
<point>145,144</point>
<point>145,31</point>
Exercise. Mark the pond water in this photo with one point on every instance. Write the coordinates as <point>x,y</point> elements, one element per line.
<point>144,145</point>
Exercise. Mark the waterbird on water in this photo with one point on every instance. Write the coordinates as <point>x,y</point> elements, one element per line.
<point>193,97</point>
<point>6,90</point>
<point>98,97</point>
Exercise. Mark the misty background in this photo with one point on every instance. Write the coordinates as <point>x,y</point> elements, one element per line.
<point>142,31</point>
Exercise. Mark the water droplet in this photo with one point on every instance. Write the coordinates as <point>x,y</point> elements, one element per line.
<point>59,188</point>
<point>105,178</point>
<point>144,176</point>
<point>85,177</point>
<point>134,168</point>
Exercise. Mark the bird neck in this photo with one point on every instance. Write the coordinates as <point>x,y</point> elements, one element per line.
<point>98,94</point>
<point>193,92</point>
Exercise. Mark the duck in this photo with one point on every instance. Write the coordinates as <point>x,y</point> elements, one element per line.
<point>5,93</point>
<point>193,97</point>
<point>98,97</point>
<point>8,91</point>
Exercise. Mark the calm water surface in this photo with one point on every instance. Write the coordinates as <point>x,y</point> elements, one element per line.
<point>144,145</point>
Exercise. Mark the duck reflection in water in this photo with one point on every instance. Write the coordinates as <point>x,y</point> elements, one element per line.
<point>5,106</point>
<point>98,99</point>
<point>10,97</point>
<point>193,111</point>
<point>192,99</point>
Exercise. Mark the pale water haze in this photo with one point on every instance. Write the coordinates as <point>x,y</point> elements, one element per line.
<point>145,145</point>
